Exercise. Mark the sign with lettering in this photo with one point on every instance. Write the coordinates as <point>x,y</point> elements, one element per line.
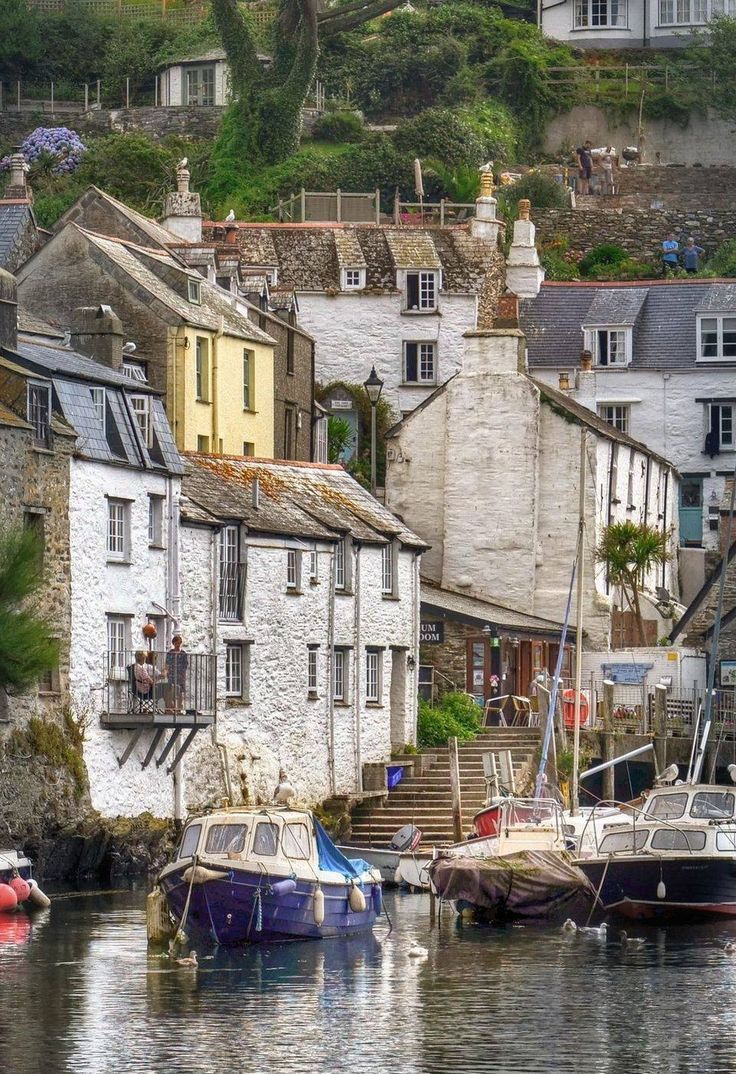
<point>341,404</point>
<point>432,632</point>
<point>631,674</point>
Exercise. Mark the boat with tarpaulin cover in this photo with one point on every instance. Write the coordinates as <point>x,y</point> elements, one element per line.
<point>249,875</point>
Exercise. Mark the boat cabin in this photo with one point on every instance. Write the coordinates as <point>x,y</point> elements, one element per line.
<point>270,836</point>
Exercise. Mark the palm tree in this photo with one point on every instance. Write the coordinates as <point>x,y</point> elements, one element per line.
<point>629,551</point>
<point>27,648</point>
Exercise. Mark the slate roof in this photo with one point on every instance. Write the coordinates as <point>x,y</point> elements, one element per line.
<point>158,234</point>
<point>663,314</point>
<point>149,269</point>
<point>16,217</point>
<point>31,325</point>
<point>314,500</point>
<point>53,358</point>
<point>465,605</point>
<point>309,256</point>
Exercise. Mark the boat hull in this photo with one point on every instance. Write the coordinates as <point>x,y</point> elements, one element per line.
<point>385,861</point>
<point>242,907</point>
<point>694,886</point>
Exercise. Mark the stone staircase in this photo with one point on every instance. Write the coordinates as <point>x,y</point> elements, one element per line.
<point>424,799</point>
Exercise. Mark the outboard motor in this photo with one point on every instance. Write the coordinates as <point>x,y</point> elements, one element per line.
<point>407,838</point>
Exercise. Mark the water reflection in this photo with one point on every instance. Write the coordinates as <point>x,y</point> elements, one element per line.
<point>87,996</point>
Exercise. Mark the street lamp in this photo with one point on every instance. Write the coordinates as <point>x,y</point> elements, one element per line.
<point>373,388</point>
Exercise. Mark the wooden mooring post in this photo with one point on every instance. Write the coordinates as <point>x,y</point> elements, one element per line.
<point>608,749</point>
<point>457,805</point>
<point>660,726</point>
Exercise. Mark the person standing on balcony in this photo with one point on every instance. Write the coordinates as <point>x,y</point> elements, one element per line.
<point>177,665</point>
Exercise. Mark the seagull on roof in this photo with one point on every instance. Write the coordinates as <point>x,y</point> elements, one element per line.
<point>128,348</point>
<point>284,791</point>
<point>183,162</point>
<point>230,216</point>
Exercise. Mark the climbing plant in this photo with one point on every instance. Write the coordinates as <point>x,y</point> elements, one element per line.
<point>27,647</point>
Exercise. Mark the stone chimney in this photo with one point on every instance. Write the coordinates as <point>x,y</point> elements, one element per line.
<point>98,333</point>
<point>484,225</point>
<point>524,274</point>
<point>17,186</point>
<point>586,361</point>
<point>182,208</point>
<point>8,310</point>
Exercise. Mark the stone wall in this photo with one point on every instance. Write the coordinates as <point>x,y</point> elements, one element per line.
<point>640,231</point>
<point>292,390</point>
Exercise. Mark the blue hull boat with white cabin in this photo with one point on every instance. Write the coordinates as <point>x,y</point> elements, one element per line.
<point>253,875</point>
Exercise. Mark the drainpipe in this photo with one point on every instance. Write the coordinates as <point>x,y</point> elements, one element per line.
<point>215,406</point>
<point>358,665</point>
<point>180,343</point>
<point>215,591</point>
<point>331,676</point>
<point>645,27</point>
<point>173,601</point>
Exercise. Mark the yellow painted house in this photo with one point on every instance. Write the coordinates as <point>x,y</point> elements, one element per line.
<point>215,366</point>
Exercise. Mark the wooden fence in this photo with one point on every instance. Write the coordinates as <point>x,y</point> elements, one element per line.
<point>186,13</point>
<point>627,80</point>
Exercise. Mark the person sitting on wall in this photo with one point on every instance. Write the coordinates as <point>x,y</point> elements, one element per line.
<point>177,665</point>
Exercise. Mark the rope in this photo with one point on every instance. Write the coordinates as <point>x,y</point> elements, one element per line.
<point>183,920</point>
<point>598,892</point>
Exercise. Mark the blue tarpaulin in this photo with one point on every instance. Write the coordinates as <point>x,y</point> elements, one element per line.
<point>333,860</point>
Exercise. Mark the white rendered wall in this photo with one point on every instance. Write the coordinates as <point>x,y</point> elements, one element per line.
<point>356,330</point>
<point>100,588</point>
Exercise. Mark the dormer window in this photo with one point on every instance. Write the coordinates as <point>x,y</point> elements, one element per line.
<point>39,413</point>
<point>98,402</point>
<point>142,413</point>
<point>195,292</point>
<point>421,291</point>
<point>353,279</point>
<point>717,339</point>
<point>135,371</point>
<point>609,346</point>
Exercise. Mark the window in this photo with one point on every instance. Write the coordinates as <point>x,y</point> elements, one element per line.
<point>293,569</point>
<point>610,346</point>
<point>98,402</point>
<point>39,413</point>
<point>35,522</point>
<point>717,339</point>
<point>295,841</point>
<point>203,443</point>
<point>630,483</point>
<point>48,682</point>
<point>249,448</point>
<point>194,291</point>
<point>672,839</point>
<point>201,370</point>
<point>266,839</point>
<point>420,363</point>
<point>116,640</point>
<point>712,805</point>
<point>237,671</point>
<point>387,569</point>
<point>667,806</point>
<point>200,86</point>
<point>618,842</point>
<point>289,431</point>
<point>249,365</point>
<point>373,676</point>
<point>312,652</point>
<point>683,12</point>
<point>726,841</point>
<point>343,576</point>
<point>720,428</point>
<point>226,839</point>
<point>190,842</point>
<point>615,414</point>
<point>602,14</point>
<point>421,291</point>
<point>232,575</point>
<point>156,521</point>
<point>352,279</point>
<point>117,529</point>
<point>313,564</point>
<point>320,440</point>
<point>290,353</point>
<point>142,415</point>
<point>134,371</point>
<point>341,670</point>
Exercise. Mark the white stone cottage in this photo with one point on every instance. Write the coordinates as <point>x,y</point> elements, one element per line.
<point>627,24</point>
<point>310,589</point>
<point>487,472</point>
<point>661,368</point>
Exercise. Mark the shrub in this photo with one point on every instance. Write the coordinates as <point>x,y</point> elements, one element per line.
<point>440,133</point>
<point>339,127</point>
<point>604,257</point>
<point>542,192</point>
<point>723,261</point>
<point>457,716</point>
<point>494,124</point>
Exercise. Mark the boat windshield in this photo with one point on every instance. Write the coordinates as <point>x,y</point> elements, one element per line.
<point>620,842</point>
<point>226,838</point>
<point>673,839</point>
<point>667,806</point>
<point>266,839</point>
<point>190,841</point>
<point>295,841</point>
<point>726,841</point>
<point>712,805</point>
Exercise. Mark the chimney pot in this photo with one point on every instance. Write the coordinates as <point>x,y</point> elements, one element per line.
<point>98,332</point>
<point>231,234</point>
<point>524,208</point>
<point>564,381</point>
<point>507,312</point>
<point>586,361</point>
<point>17,186</point>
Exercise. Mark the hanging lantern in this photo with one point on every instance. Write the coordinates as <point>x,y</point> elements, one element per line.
<point>149,631</point>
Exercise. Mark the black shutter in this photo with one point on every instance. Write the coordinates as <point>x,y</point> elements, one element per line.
<point>412,290</point>
<point>410,362</point>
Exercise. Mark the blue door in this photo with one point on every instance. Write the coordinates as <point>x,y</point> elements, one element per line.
<point>691,511</point>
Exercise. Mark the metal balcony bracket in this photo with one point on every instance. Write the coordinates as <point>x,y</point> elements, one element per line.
<point>168,747</point>
<point>182,750</point>
<point>132,743</point>
<point>152,748</point>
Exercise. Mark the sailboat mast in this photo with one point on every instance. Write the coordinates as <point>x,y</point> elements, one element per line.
<point>575,803</point>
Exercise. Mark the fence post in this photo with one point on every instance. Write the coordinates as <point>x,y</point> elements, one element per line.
<point>155,84</point>
<point>52,98</point>
<point>660,726</point>
<point>86,96</point>
<point>397,207</point>
<point>127,93</point>
<point>608,750</point>
<point>442,212</point>
<point>626,81</point>
<point>19,95</point>
<point>98,93</point>
<point>378,206</point>
<point>304,205</point>
<point>338,206</point>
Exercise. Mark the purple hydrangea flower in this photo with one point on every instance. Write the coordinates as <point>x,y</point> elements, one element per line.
<point>63,145</point>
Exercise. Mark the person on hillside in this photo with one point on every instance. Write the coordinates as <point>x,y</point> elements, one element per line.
<point>585,170</point>
<point>691,255</point>
<point>608,160</point>
<point>670,250</point>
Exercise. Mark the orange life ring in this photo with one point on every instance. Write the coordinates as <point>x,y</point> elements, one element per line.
<point>568,708</point>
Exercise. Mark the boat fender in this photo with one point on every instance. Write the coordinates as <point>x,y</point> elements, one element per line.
<point>319,906</point>
<point>158,922</point>
<point>356,899</point>
<point>377,900</point>
<point>283,887</point>
<point>38,897</point>
<point>198,874</point>
<point>8,898</point>
<point>21,888</point>
<point>661,890</point>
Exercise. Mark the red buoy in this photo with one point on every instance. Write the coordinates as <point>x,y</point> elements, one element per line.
<point>8,898</point>
<point>21,888</point>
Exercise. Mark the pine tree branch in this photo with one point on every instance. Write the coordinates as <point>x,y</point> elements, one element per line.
<point>335,22</point>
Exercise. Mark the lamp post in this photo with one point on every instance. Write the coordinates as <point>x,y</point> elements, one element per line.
<point>373,388</point>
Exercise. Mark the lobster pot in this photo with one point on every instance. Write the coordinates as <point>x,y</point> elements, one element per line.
<point>158,923</point>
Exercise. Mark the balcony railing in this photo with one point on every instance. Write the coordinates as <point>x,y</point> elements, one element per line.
<point>164,689</point>
<point>232,591</point>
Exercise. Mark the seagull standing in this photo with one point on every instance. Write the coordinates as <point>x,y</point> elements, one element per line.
<point>284,791</point>
<point>230,217</point>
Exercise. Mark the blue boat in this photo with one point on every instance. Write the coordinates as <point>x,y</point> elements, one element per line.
<point>255,875</point>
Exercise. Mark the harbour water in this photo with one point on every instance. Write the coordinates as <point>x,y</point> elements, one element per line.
<point>80,992</point>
